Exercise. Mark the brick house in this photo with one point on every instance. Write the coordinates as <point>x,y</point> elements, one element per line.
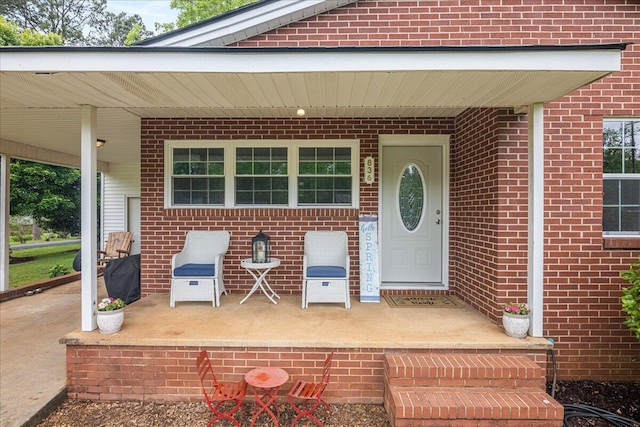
<point>501,106</point>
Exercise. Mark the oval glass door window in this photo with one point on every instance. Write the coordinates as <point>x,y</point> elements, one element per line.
<point>411,197</point>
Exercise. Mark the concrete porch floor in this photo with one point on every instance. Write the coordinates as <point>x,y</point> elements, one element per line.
<point>260,323</point>
<point>33,365</point>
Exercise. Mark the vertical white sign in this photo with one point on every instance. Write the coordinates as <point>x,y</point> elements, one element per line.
<point>369,260</point>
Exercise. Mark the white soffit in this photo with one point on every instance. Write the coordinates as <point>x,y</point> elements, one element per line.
<point>270,83</point>
<point>244,23</point>
<point>42,89</point>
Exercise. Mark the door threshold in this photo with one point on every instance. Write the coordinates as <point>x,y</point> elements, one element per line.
<point>407,286</point>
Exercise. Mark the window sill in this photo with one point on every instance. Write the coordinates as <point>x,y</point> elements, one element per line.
<point>618,242</point>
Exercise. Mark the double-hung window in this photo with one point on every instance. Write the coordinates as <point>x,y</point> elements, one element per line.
<point>261,176</point>
<point>197,176</point>
<point>320,173</point>
<point>621,173</point>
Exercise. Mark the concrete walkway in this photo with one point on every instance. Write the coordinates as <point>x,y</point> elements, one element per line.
<point>32,360</point>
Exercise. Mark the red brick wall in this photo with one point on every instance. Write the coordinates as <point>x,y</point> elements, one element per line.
<point>489,209</point>
<point>169,373</point>
<point>163,230</point>
<point>453,22</point>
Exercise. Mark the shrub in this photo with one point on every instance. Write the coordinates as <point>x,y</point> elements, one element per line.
<point>58,270</point>
<point>631,298</point>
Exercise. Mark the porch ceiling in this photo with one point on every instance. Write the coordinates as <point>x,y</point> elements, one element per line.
<point>41,90</point>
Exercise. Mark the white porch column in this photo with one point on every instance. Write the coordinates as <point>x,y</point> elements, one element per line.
<point>535,276</point>
<point>4,222</point>
<point>88,169</point>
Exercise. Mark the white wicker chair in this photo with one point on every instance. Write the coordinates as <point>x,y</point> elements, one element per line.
<point>197,271</point>
<point>325,268</point>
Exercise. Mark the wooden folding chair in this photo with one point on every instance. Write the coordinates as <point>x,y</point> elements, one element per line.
<point>309,395</point>
<point>118,245</point>
<point>219,396</point>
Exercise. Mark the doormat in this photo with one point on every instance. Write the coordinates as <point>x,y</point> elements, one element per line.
<point>437,301</point>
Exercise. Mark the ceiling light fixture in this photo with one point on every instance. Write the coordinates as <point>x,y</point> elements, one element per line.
<point>301,112</point>
<point>100,142</point>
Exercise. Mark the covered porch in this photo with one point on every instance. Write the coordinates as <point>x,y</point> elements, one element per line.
<point>153,356</point>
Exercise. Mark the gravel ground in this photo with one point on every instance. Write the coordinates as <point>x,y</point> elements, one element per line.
<point>622,398</point>
<point>182,414</point>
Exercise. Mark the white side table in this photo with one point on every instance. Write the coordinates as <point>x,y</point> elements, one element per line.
<point>259,271</point>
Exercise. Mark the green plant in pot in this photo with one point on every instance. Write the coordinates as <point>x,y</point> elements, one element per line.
<point>631,298</point>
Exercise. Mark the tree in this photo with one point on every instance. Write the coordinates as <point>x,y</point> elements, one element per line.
<point>12,35</point>
<point>69,18</point>
<point>79,22</point>
<point>117,30</point>
<point>192,11</point>
<point>49,194</point>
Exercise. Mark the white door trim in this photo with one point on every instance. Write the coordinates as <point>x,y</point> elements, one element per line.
<point>441,141</point>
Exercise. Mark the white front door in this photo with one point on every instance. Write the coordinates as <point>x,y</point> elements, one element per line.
<point>411,223</point>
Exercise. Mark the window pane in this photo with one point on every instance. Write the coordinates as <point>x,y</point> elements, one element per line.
<point>181,168</point>
<point>629,192</point>
<point>343,154</point>
<point>306,197</point>
<point>182,184</point>
<point>244,168</point>
<point>307,154</point>
<point>307,168</point>
<point>199,184</point>
<point>611,194</point>
<point>198,168</point>
<point>630,218</point>
<point>244,155</point>
<point>198,155</point>
<point>261,168</point>
<point>411,197</point>
<point>216,169</point>
<point>631,161</point>
<point>181,198</point>
<point>216,155</point>
<point>278,168</point>
<point>343,168</point>
<point>216,197</point>
<point>181,155</point>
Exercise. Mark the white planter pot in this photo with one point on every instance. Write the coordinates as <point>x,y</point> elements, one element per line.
<point>110,322</point>
<point>515,325</point>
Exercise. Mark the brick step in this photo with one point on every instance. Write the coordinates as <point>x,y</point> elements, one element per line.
<point>461,370</point>
<point>471,406</point>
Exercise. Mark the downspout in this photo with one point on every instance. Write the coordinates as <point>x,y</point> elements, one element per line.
<point>88,170</point>
<point>5,163</point>
<point>535,267</point>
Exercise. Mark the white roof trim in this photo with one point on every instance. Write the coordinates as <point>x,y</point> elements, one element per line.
<point>306,61</point>
<point>249,22</point>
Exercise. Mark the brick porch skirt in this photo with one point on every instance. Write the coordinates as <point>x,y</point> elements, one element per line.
<point>168,373</point>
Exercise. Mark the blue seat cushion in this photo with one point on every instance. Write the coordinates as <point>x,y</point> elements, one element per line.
<point>195,270</point>
<point>326,271</point>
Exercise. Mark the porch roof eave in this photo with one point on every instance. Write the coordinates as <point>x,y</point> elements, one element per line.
<point>50,84</point>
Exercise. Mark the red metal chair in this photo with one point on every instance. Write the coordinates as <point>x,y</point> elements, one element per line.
<point>219,395</point>
<point>309,395</point>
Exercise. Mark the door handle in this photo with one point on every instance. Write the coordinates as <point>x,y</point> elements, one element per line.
<point>438,221</point>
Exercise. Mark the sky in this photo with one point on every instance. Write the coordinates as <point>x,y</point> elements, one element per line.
<point>151,11</point>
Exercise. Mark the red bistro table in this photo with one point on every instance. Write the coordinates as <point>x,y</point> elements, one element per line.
<point>266,382</point>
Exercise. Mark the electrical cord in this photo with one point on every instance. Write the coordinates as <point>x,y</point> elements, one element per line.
<point>585,411</point>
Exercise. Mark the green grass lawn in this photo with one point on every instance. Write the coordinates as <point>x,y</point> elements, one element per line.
<point>44,259</point>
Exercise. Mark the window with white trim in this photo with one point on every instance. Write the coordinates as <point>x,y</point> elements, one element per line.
<point>621,174</point>
<point>318,173</point>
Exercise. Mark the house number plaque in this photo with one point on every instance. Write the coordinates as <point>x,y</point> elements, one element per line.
<point>369,170</point>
